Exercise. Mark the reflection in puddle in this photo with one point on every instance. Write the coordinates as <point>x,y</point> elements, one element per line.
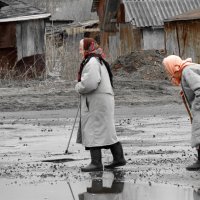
<point>101,186</point>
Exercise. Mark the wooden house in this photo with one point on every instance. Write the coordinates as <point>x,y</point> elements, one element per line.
<point>128,25</point>
<point>70,21</point>
<point>182,35</point>
<point>22,41</point>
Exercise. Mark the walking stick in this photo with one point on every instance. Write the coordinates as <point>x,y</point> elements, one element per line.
<point>66,151</point>
<point>186,105</point>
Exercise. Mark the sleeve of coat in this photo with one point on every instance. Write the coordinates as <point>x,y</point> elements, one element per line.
<point>90,77</point>
<point>192,78</point>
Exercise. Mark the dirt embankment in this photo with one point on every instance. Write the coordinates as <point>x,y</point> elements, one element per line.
<point>145,65</point>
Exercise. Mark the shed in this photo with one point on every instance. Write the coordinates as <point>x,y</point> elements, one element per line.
<point>62,55</point>
<point>183,35</point>
<point>22,41</point>
<point>128,25</point>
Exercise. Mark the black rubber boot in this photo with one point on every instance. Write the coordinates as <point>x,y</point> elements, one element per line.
<point>97,186</point>
<point>195,166</point>
<point>118,156</point>
<point>96,163</point>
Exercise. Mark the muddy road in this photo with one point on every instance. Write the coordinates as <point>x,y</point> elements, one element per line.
<point>36,122</point>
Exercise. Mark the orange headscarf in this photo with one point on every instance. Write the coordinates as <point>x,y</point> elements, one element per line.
<point>174,64</point>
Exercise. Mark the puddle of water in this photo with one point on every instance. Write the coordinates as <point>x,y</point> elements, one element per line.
<point>105,186</point>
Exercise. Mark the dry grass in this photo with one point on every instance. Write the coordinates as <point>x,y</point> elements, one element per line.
<point>62,55</point>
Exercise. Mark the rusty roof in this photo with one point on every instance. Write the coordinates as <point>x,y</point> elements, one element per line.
<point>152,13</point>
<point>12,10</point>
<point>190,15</point>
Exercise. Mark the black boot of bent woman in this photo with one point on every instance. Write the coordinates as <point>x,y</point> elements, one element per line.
<point>195,166</point>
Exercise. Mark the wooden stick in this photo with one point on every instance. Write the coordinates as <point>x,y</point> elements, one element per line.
<point>186,105</point>
<point>66,151</point>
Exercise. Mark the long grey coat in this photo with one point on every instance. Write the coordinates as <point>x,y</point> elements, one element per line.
<point>190,83</point>
<point>97,106</point>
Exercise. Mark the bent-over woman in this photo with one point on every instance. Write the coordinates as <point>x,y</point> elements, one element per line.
<point>187,74</point>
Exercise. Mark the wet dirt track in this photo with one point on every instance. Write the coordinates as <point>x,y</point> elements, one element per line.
<point>154,131</point>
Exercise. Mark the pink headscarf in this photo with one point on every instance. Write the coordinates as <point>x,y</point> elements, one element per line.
<point>174,64</point>
<point>90,46</point>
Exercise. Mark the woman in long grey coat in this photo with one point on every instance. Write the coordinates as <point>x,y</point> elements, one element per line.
<point>97,128</point>
<point>187,74</point>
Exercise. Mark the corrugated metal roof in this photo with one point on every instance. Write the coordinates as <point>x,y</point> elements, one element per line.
<point>152,13</point>
<point>191,15</point>
<point>12,10</point>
